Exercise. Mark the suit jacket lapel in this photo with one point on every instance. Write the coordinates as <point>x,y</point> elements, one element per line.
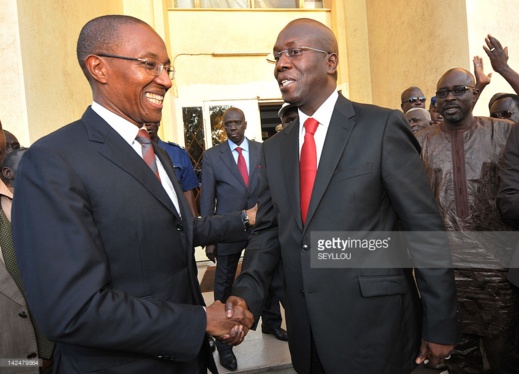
<point>339,131</point>
<point>290,164</point>
<point>8,286</point>
<point>117,151</point>
<point>254,160</point>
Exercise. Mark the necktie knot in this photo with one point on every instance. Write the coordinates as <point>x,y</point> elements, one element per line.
<point>239,150</point>
<point>143,137</point>
<point>311,125</point>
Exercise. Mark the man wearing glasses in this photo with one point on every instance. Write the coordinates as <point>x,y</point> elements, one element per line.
<point>412,97</point>
<point>320,174</point>
<point>102,232</point>
<point>506,106</point>
<point>462,159</point>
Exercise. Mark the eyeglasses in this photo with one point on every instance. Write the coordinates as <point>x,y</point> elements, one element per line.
<point>292,53</point>
<point>152,66</point>
<point>503,114</point>
<point>456,91</point>
<point>231,123</point>
<point>414,99</point>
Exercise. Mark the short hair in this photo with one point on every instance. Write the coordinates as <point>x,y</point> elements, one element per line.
<point>424,111</point>
<point>101,35</point>
<point>514,97</point>
<point>233,109</point>
<point>9,158</point>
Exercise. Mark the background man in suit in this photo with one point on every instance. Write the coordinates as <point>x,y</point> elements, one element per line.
<point>18,339</point>
<point>508,195</point>
<point>181,162</point>
<point>369,174</point>
<point>227,188</point>
<point>103,235</point>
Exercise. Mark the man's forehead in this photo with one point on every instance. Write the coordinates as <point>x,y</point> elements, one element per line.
<point>455,78</point>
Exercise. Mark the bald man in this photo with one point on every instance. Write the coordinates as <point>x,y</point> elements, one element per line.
<point>462,159</point>
<point>412,97</point>
<point>345,319</point>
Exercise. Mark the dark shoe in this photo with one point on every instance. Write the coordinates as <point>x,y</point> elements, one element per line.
<point>278,333</point>
<point>228,360</point>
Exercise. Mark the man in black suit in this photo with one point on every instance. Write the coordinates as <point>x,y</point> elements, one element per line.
<point>369,175</point>
<point>225,189</point>
<point>103,235</point>
<point>508,194</point>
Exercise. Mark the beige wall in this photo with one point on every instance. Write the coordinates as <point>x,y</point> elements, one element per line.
<point>385,46</point>
<point>413,44</point>
<point>56,91</point>
<point>499,19</point>
<point>202,78</point>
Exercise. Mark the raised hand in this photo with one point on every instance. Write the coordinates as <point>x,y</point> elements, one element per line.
<point>482,79</point>
<point>496,53</point>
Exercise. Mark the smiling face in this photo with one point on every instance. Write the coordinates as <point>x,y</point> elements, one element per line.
<point>309,78</point>
<point>125,87</point>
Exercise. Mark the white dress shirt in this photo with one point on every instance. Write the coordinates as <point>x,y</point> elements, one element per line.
<point>323,115</point>
<point>128,131</point>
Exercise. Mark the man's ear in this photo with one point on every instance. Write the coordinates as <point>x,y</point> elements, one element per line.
<point>97,68</point>
<point>333,62</point>
<point>7,173</point>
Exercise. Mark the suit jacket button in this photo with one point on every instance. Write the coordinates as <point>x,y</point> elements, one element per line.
<point>23,314</point>
<point>180,227</point>
<point>305,248</point>
<point>302,290</point>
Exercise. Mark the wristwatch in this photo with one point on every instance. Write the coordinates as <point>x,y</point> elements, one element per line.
<point>245,220</point>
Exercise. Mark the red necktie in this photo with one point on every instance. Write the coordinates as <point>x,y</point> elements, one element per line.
<point>242,166</point>
<point>148,155</point>
<point>307,166</point>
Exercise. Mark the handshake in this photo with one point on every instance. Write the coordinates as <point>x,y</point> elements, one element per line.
<point>230,322</point>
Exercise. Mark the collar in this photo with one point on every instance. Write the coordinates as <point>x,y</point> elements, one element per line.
<point>126,129</point>
<point>244,145</point>
<point>323,114</point>
<point>5,191</point>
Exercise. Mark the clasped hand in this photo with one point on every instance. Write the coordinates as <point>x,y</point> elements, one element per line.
<point>230,322</point>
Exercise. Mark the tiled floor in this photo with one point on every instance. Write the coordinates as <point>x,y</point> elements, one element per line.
<point>261,353</point>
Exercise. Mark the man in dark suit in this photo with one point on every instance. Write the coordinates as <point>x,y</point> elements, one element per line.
<point>103,235</point>
<point>508,194</point>
<point>225,189</point>
<point>369,174</point>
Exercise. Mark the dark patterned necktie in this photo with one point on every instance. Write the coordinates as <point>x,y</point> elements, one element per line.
<point>242,166</point>
<point>148,154</point>
<point>45,347</point>
<point>307,166</point>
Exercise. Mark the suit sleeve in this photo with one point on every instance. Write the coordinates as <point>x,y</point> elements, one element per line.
<point>508,194</point>
<point>413,201</point>
<point>67,275</point>
<point>207,188</point>
<point>262,254</point>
